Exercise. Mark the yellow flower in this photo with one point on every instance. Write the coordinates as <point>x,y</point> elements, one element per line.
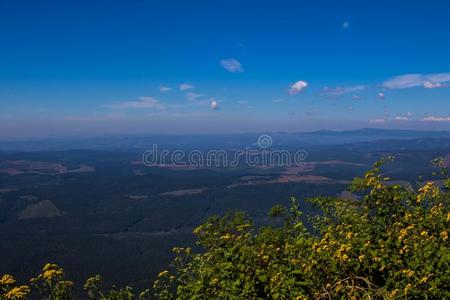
<point>18,293</point>
<point>393,293</point>
<point>448,217</point>
<point>408,272</point>
<point>444,235</point>
<point>50,267</point>
<point>424,279</point>
<point>163,273</point>
<point>52,274</point>
<point>226,237</point>
<point>361,258</point>
<point>424,233</point>
<point>7,280</point>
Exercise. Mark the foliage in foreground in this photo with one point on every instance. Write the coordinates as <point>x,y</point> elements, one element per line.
<point>52,285</point>
<point>391,244</point>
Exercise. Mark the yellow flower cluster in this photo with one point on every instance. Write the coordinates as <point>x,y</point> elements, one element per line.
<point>341,253</point>
<point>7,280</point>
<point>18,293</point>
<point>404,232</point>
<point>408,272</point>
<point>429,189</point>
<point>52,274</point>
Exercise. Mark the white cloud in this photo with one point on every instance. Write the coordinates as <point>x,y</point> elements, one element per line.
<point>436,119</point>
<point>339,91</point>
<point>356,97</point>
<point>415,80</point>
<point>297,87</point>
<point>142,102</point>
<point>278,100</point>
<point>346,25</point>
<point>434,85</point>
<point>381,96</point>
<point>402,118</point>
<point>163,88</point>
<point>350,108</point>
<point>242,102</point>
<point>378,121</point>
<point>186,86</point>
<point>232,65</point>
<point>192,96</point>
<point>214,104</point>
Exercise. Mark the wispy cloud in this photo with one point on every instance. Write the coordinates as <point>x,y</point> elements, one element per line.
<point>378,121</point>
<point>297,87</point>
<point>232,65</point>
<point>381,96</point>
<point>185,86</point>
<point>346,25</point>
<point>339,91</point>
<point>278,100</point>
<point>414,80</point>
<point>436,119</point>
<point>163,88</point>
<point>405,117</point>
<point>192,96</point>
<point>142,102</point>
<point>93,118</point>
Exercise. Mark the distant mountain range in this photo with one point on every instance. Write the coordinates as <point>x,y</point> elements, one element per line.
<point>360,138</point>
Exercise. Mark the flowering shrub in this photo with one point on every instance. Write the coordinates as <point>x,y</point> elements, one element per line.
<point>392,244</point>
<point>52,285</point>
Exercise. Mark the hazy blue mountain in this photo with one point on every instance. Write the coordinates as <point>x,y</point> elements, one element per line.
<point>221,141</point>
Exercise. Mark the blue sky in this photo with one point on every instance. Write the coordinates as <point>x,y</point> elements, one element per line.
<point>103,67</point>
